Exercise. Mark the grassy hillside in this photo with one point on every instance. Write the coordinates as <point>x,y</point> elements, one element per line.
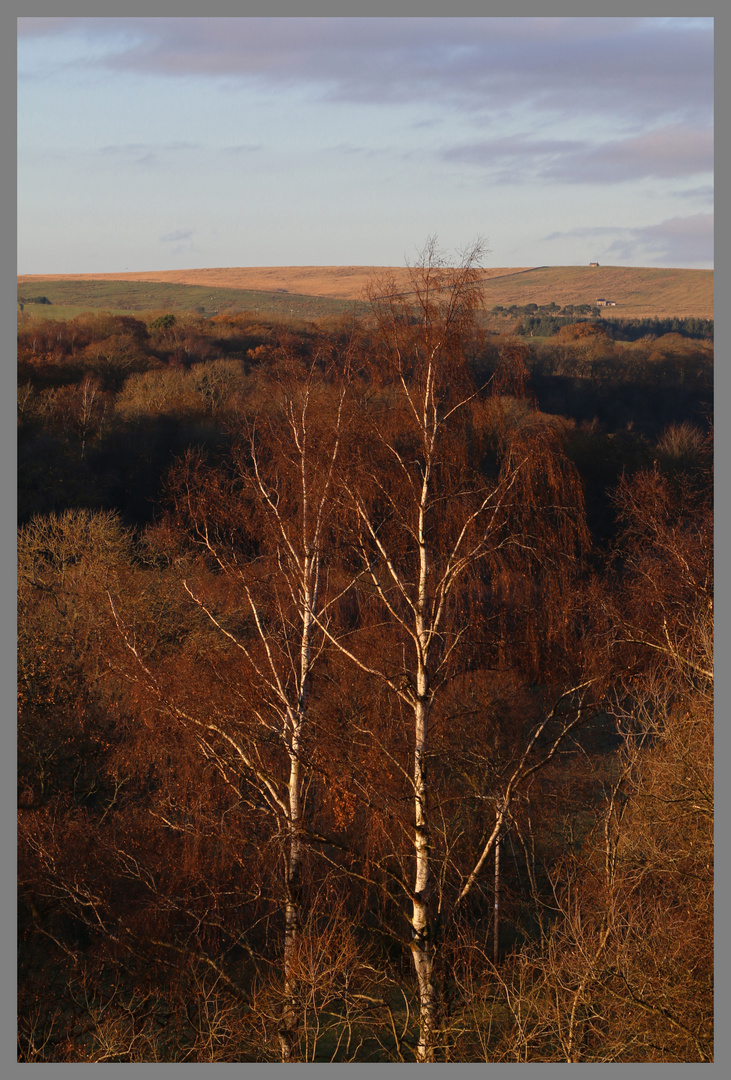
<point>70,297</point>
<point>639,292</point>
<point>335,282</point>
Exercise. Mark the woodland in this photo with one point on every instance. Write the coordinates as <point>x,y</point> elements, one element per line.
<point>365,686</point>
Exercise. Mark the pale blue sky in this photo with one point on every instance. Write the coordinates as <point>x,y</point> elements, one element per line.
<point>162,143</point>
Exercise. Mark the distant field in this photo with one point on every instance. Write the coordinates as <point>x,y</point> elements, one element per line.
<point>72,296</point>
<point>334,282</point>
<point>639,292</point>
<point>316,292</point>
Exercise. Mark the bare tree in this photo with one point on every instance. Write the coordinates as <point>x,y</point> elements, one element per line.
<point>261,529</point>
<point>624,972</point>
<point>429,527</point>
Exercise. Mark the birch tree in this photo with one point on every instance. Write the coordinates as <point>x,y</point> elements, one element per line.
<point>261,527</point>
<point>431,523</point>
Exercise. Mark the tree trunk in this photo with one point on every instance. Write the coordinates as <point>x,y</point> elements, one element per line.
<point>422,939</point>
<point>289,1031</point>
<point>289,1034</point>
<point>496,923</point>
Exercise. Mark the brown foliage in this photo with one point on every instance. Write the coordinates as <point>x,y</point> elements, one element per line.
<point>268,750</point>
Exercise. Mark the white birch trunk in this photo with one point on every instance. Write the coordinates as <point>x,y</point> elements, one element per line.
<point>289,1033</point>
<point>422,943</point>
<point>422,938</point>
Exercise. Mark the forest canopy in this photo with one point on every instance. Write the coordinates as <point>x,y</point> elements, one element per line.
<point>365,680</point>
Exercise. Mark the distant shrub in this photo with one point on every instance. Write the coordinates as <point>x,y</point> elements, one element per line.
<point>164,322</point>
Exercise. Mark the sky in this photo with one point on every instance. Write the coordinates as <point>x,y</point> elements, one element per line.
<point>172,143</point>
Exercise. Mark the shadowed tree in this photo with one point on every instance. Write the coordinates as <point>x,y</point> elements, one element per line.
<point>625,972</point>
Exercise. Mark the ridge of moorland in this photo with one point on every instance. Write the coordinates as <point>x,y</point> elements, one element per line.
<point>311,291</point>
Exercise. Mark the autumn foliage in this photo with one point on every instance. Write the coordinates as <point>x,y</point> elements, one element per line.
<point>365,702</point>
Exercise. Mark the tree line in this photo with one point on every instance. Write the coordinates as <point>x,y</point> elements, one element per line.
<point>543,324</point>
<point>366,743</point>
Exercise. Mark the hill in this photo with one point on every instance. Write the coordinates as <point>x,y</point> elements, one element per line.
<point>311,291</point>
<point>70,296</point>
<point>638,292</point>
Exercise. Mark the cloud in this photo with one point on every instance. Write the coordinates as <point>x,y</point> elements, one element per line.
<point>664,153</point>
<point>243,148</point>
<point>177,237</point>
<point>649,70</point>
<point>139,148</point>
<point>144,153</point>
<point>512,158</point>
<point>677,241</point>
<point>350,149</point>
<point>704,192</point>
